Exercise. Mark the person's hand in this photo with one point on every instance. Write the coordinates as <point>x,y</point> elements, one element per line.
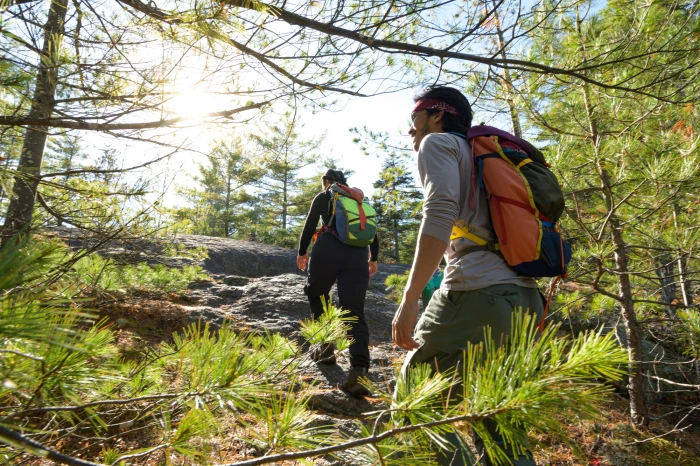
<point>372,268</point>
<point>303,261</point>
<point>404,321</point>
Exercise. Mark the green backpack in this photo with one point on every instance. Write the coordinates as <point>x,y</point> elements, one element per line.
<point>355,219</point>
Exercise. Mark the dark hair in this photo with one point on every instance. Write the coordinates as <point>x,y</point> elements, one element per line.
<point>335,175</point>
<point>450,122</point>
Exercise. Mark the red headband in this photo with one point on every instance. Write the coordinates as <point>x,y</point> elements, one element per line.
<point>429,104</point>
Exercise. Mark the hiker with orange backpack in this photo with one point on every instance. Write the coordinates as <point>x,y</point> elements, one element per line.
<point>481,213</point>
<point>340,253</point>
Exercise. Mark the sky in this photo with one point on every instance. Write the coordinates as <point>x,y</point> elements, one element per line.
<point>387,112</point>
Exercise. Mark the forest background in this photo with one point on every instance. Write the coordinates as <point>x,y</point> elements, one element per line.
<point>103,100</point>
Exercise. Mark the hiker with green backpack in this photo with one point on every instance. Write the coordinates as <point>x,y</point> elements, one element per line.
<point>341,253</point>
<point>490,207</point>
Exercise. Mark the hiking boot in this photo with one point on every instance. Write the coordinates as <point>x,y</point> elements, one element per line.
<point>352,384</point>
<point>323,353</point>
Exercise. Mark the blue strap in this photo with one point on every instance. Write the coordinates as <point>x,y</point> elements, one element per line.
<point>458,134</point>
<point>480,172</point>
<point>549,224</point>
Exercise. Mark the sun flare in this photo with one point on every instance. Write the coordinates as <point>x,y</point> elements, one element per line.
<point>194,104</point>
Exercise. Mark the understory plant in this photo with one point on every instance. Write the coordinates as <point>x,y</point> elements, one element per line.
<point>395,285</point>
<point>101,274</point>
<point>331,327</point>
<point>67,396</point>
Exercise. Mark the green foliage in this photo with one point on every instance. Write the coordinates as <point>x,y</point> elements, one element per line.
<point>53,355</point>
<point>283,422</point>
<point>260,197</point>
<point>331,327</point>
<point>204,374</point>
<point>51,352</point>
<point>223,202</point>
<point>213,361</point>
<point>195,424</point>
<point>396,284</point>
<point>106,275</point>
<point>520,385</point>
<point>690,325</point>
<point>274,346</point>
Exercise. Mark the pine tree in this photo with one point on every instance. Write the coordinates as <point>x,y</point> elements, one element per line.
<point>64,155</point>
<point>222,206</point>
<point>281,199</point>
<point>627,165</point>
<point>397,201</point>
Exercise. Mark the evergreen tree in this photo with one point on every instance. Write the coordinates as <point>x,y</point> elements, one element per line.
<point>222,206</point>
<point>628,165</point>
<point>397,201</point>
<point>64,155</point>
<point>282,201</point>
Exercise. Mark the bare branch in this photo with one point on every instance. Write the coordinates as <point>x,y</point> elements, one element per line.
<point>82,125</point>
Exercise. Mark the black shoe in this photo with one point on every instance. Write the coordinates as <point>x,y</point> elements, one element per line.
<point>323,353</point>
<point>352,385</point>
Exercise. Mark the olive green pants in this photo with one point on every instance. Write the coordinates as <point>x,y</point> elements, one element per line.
<point>453,319</point>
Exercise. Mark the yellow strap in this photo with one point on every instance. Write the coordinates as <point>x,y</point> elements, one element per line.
<point>335,198</point>
<point>461,230</point>
<point>524,162</point>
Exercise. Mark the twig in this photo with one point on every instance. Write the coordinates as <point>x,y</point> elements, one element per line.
<point>13,438</point>
<point>139,455</point>
<point>672,431</point>
<point>374,439</point>
<point>101,403</point>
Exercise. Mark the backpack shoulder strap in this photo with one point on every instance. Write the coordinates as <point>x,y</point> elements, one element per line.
<point>332,198</point>
<point>329,208</point>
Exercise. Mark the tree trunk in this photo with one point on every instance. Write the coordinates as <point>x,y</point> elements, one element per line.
<point>635,386</point>
<point>687,297</point>
<point>21,209</point>
<point>506,80</point>
<point>396,239</point>
<point>664,267</point>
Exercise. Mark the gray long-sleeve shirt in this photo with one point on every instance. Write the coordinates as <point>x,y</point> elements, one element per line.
<point>445,167</point>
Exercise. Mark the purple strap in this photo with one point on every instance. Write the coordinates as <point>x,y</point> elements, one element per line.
<point>483,130</point>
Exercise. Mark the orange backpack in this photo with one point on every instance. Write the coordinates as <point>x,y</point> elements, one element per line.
<point>525,203</point>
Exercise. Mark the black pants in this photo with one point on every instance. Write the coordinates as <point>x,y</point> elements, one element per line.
<point>330,260</point>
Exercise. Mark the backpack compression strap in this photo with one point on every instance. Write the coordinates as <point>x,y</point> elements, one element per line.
<point>363,216</point>
<point>461,230</point>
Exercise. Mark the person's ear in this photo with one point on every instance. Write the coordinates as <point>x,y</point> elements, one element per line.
<point>437,117</point>
<point>436,120</point>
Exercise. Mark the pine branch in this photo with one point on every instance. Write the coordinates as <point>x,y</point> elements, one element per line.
<point>84,125</point>
<point>11,437</point>
<point>420,50</point>
<point>373,440</point>
<point>104,172</point>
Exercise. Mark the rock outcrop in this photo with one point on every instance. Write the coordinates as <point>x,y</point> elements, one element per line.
<point>259,287</point>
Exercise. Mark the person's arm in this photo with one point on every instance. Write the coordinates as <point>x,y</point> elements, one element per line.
<point>373,254</point>
<point>429,252</point>
<point>438,167</point>
<point>374,249</point>
<point>319,203</point>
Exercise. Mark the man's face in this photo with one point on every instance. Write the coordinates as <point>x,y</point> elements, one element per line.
<point>423,124</point>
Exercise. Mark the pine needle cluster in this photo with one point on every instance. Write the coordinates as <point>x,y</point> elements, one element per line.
<point>63,381</point>
<point>331,327</point>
